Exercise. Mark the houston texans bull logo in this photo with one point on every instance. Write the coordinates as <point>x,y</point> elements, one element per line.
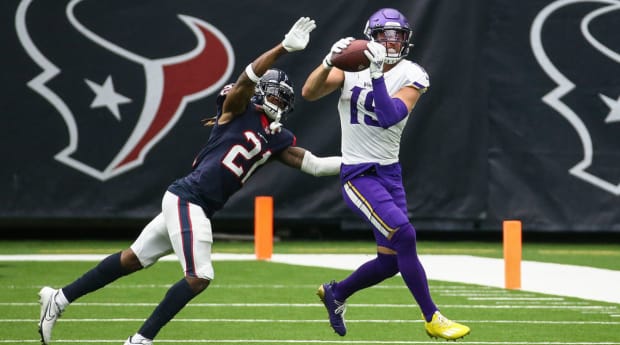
<point>576,43</point>
<point>111,123</point>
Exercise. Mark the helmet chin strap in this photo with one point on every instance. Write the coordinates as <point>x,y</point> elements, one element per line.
<point>275,126</point>
<point>275,113</point>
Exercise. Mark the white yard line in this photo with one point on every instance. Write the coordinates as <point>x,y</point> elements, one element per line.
<point>321,321</point>
<point>564,280</point>
<point>311,341</point>
<point>581,308</point>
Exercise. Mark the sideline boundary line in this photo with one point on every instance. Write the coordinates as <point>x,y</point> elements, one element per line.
<point>589,283</point>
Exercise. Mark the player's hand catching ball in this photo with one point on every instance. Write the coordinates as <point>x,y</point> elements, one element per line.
<point>375,53</point>
<point>336,49</point>
<point>299,35</point>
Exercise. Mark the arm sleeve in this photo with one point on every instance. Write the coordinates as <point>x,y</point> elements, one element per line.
<point>390,111</point>
<point>320,166</point>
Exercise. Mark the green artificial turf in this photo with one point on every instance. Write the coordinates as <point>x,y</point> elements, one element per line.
<point>258,302</point>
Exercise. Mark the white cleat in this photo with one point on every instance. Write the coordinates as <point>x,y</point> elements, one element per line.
<point>50,312</point>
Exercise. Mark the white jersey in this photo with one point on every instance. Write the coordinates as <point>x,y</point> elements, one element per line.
<point>363,139</point>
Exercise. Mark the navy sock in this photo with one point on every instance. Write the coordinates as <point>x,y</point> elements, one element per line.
<point>107,271</point>
<point>411,269</point>
<point>370,273</point>
<point>176,298</point>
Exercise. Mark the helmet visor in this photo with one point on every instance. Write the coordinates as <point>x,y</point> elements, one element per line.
<point>391,35</point>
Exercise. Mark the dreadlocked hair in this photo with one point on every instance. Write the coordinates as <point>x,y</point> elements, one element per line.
<point>208,121</point>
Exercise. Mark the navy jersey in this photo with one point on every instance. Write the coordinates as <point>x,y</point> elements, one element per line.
<point>233,153</point>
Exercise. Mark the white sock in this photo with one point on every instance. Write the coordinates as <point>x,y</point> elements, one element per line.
<point>61,300</point>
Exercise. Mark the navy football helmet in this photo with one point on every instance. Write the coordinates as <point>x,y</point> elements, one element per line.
<point>388,25</point>
<point>274,93</point>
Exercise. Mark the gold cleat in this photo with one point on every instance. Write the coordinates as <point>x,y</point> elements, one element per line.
<point>441,327</point>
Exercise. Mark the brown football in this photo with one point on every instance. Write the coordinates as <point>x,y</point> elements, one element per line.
<point>352,58</point>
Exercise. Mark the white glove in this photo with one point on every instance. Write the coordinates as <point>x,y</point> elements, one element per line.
<point>375,53</point>
<point>298,37</point>
<point>336,49</point>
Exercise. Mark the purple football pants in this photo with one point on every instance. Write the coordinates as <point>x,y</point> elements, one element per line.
<point>376,194</point>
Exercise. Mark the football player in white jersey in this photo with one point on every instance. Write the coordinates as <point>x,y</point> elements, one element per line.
<point>374,106</point>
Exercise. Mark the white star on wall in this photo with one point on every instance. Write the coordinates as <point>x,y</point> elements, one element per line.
<point>105,96</point>
<point>614,106</point>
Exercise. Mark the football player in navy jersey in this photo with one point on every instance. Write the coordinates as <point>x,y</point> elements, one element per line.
<point>246,134</point>
<point>374,106</point>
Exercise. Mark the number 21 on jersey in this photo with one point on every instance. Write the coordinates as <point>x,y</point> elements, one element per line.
<point>241,152</point>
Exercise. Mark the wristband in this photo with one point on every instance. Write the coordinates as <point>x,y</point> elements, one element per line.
<point>250,73</point>
<point>326,63</point>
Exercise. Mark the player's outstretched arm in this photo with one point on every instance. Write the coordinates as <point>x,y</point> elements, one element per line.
<point>239,96</point>
<point>304,160</point>
<point>325,79</point>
